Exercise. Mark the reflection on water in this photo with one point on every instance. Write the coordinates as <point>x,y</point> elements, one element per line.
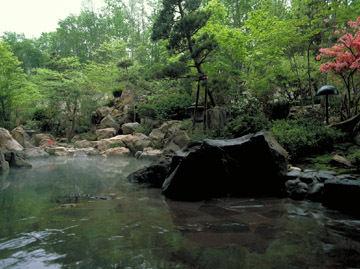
<point>83,213</point>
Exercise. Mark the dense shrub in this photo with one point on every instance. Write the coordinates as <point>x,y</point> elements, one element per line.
<point>245,124</point>
<point>301,138</point>
<point>247,116</point>
<point>169,105</point>
<point>43,120</point>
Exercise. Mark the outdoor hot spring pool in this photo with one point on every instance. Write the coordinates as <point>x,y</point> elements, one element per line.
<point>83,213</point>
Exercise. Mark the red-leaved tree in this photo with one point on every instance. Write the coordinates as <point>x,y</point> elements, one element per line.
<point>344,60</point>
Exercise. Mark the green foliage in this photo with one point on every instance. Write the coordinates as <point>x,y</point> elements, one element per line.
<point>169,104</point>
<point>302,138</point>
<point>16,93</point>
<point>354,157</point>
<point>247,116</point>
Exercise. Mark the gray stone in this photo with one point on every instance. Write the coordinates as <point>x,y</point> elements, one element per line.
<point>316,192</point>
<point>216,118</point>
<point>340,161</point>
<point>105,133</point>
<point>150,153</point>
<point>21,136</point>
<point>296,189</point>
<point>109,122</point>
<point>4,165</point>
<point>31,153</point>
<point>119,151</point>
<point>153,175</point>
<point>130,128</point>
<point>7,142</point>
<point>44,140</point>
<point>16,160</point>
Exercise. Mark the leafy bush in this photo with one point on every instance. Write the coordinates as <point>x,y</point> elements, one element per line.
<point>44,120</point>
<point>248,116</point>
<point>354,157</point>
<point>166,105</point>
<point>301,138</point>
<point>246,124</point>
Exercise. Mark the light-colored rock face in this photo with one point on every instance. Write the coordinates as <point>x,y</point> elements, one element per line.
<point>130,128</point>
<point>109,122</point>
<point>150,153</point>
<point>7,142</point>
<point>136,142</point>
<point>170,136</point>
<point>340,161</point>
<point>119,151</point>
<point>157,136</point>
<point>126,100</point>
<point>105,133</point>
<point>63,151</point>
<point>84,144</point>
<point>20,135</point>
<point>31,153</point>
<point>180,138</point>
<point>113,142</point>
<point>44,140</point>
<point>102,112</point>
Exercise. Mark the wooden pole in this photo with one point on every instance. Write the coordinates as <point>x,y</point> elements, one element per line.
<point>206,105</point>
<point>327,109</point>
<point>196,103</point>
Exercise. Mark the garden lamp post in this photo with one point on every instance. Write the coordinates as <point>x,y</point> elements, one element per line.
<point>326,91</point>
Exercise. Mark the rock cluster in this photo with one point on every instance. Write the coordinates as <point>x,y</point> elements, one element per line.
<point>335,191</point>
<point>216,168</point>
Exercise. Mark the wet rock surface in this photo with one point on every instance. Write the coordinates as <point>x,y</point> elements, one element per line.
<point>335,191</point>
<point>217,168</point>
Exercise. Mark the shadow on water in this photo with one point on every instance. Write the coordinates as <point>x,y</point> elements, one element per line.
<point>83,213</point>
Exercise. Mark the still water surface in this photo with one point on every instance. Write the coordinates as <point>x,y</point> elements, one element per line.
<point>83,213</point>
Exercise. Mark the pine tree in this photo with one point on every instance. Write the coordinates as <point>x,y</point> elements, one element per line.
<point>179,22</point>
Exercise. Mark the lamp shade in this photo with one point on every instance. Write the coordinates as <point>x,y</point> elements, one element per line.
<point>327,90</point>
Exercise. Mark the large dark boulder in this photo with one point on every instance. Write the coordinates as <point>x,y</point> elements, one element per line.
<point>153,175</point>
<point>342,194</point>
<point>251,165</point>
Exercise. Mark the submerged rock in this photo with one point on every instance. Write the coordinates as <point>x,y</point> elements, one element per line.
<point>153,175</point>
<point>16,160</point>
<point>342,194</point>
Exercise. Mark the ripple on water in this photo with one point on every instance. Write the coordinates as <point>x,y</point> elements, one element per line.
<point>36,259</point>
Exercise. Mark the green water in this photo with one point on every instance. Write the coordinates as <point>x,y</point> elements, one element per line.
<point>83,213</point>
